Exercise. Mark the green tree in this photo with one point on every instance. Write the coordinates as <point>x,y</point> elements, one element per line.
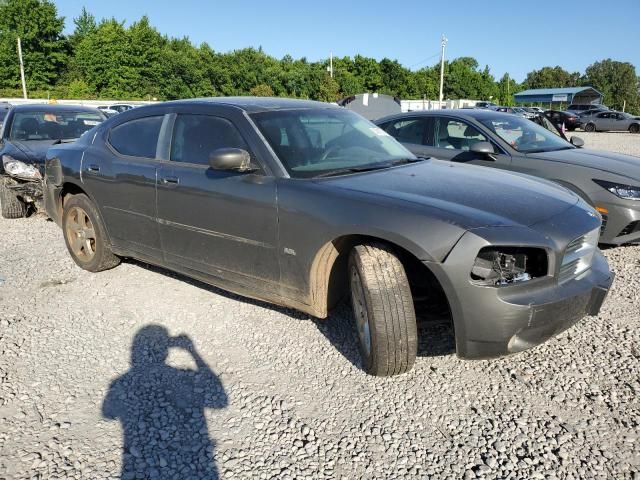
<point>78,89</point>
<point>551,77</point>
<point>85,24</point>
<point>44,48</point>
<point>261,90</point>
<point>618,82</point>
<point>329,90</point>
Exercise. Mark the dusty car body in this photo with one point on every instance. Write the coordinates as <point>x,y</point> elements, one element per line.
<point>28,132</point>
<point>610,121</point>
<point>300,203</point>
<point>608,181</point>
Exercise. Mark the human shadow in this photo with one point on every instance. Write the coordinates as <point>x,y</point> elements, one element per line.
<point>161,409</point>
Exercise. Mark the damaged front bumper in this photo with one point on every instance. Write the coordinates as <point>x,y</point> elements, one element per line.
<point>28,191</point>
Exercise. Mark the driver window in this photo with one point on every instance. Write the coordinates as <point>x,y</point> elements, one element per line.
<point>196,136</point>
<point>457,135</point>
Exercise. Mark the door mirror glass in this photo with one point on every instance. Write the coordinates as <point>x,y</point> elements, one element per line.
<point>230,159</point>
<point>577,142</point>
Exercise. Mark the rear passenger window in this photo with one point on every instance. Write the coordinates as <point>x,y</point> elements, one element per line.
<point>407,131</point>
<point>196,136</point>
<point>137,138</point>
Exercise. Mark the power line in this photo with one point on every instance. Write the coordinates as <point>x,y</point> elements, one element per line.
<point>425,60</point>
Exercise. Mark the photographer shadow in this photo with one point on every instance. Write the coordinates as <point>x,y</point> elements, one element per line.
<point>161,409</point>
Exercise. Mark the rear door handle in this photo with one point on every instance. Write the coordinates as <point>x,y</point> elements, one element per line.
<point>93,168</point>
<point>170,180</point>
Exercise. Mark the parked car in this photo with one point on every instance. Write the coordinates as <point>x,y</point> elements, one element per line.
<point>121,107</point>
<point>515,111</point>
<point>107,110</point>
<point>534,109</point>
<point>28,132</point>
<point>300,203</point>
<point>485,105</point>
<point>570,120</point>
<point>578,108</point>
<point>608,181</point>
<point>610,121</point>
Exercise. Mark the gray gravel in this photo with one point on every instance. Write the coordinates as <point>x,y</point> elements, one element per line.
<point>254,391</point>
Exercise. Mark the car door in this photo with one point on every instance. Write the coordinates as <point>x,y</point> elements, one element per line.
<point>220,223</point>
<point>449,138</point>
<point>603,121</point>
<point>119,174</point>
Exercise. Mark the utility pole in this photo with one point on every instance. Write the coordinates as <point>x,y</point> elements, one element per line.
<point>24,84</point>
<point>444,44</point>
<point>331,64</point>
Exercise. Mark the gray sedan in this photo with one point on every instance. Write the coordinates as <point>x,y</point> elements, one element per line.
<point>610,121</point>
<point>608,181</point>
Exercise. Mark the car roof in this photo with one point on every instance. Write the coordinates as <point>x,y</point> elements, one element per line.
<point>469,114</point>
<point>48,107</point>
<point>255,104</point>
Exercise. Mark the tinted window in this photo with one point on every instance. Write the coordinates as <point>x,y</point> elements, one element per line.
<point>137,138</point>
<point>409,130</point>
<point>196,136</point>
<point>603,115</point>
<point>454,134</point>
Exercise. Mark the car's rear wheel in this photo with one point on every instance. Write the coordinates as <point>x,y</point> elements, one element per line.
<point>383,309</point>
<point>589,127</point>
<point>11,206</point>
<point>85,235</point>
<point>635,128</point>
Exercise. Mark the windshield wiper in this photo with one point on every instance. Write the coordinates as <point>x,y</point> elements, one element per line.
<point>344,171</point>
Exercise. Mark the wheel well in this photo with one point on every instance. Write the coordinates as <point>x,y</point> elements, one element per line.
<point>329,276</point>
<point>67,189</point>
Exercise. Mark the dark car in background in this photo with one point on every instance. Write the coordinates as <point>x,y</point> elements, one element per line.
<point>301,203</point>
<point>608,181</point>
<point>29,130</point>
<point>610,121</point>
<point>560,119</point>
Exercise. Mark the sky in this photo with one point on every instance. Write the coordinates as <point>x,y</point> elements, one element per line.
<point>507,35</point>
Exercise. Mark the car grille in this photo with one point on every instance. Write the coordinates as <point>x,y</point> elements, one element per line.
<point>631,228</point>
<point>578,256</point>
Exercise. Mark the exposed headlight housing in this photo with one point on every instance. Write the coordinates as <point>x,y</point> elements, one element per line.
<point>628,192</point>
<point>578,256</point>
<point>499,266</point>
<point>19,169</point>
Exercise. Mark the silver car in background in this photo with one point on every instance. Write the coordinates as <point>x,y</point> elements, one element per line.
<point>611,121</point>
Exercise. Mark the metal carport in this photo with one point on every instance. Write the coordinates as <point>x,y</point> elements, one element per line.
<point>580,95</point>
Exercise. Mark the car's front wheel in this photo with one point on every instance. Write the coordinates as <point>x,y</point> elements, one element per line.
<point>85,235</point>
<point>383,309</point>
<point>11,206</point>
<point>635,128</point>
<point>589,127</point>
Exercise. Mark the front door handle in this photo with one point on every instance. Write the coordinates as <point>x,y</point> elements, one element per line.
<point>170,180</point>
<point>93,168</point>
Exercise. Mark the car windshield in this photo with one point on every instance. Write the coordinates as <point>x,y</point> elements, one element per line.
<point>524,135</point>
<point>52,125</point>
<point>322,141</point>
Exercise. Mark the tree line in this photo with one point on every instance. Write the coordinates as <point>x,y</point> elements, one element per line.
<point>104,59</point>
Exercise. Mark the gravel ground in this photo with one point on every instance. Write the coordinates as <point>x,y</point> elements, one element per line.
<point>253,391</point>
<point>621,142</point>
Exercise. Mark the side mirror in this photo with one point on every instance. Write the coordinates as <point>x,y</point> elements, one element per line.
<point>484,149</point>
<point>577,142</point>
<point>230,159</point>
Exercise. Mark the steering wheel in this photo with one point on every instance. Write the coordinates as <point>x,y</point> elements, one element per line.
<point>328,152</point>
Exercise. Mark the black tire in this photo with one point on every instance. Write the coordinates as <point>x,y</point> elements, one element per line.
<point>382,302</point>
<point>12,206</point>
<point>85,235</point>
<point>589,127</point>
<point>634,128</point>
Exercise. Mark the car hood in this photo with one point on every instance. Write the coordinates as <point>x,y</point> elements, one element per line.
<point>615,163</point>
<point>33,151</point>
<point>466,195</point>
